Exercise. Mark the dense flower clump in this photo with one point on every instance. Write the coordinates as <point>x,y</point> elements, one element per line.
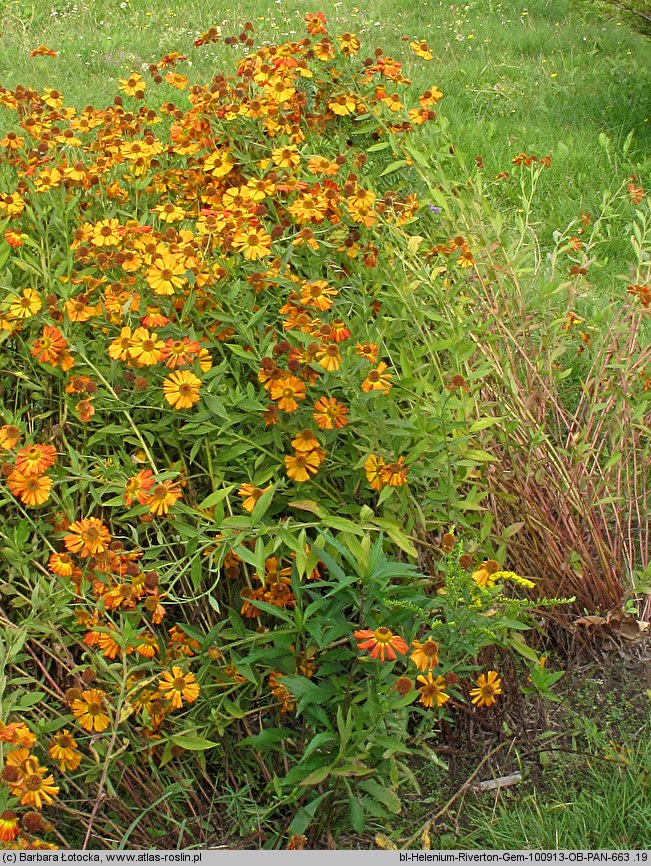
<point>208,430</point>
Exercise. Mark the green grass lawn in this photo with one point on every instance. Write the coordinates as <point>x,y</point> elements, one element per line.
<point>543,77</point>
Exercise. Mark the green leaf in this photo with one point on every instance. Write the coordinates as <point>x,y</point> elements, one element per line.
<point>316,776</point>
<point>192,743</point>
<point>216,497</point>
<point>394,166</point>
<point>382,794</point>
<point>261,506</point>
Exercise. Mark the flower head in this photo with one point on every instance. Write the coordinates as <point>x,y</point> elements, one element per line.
<point>432,691</point>
<point>89,710</point>
<point>176,687</point>
<point>488,686</point>
<point>425,655</point>
<point>382,642</point>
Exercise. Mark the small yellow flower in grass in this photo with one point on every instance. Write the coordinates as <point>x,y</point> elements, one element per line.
<point>421,49</point>
<point>63,749</point>
<point>89,710</point>
<point>181,389</point>
<point>432,691</point>
<point>512,577</point>
<point>488,686</point>
<point>425,655</point>
<point>176,687</point>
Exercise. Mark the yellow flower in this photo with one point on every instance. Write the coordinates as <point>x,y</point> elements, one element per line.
<point>166,274</point>
<point>432,691</point>
<point>378,380</point>
<point>425,655</point>
<point>253,243</point>
<point>250,495</point>
<point>343,104</point>
<point>217,163</point>
<point>482,576</point>
<point>302,465</point>
<point>89,710</point>
<point>488,686</point>
<point>27,304</point>
<point>63,749</point>
<point>181,389</point>
<point>374,467</point>
<point>105,233</point>
<point>177,687</point>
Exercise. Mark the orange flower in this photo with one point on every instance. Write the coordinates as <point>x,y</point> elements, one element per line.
<point>302,465</point>
<point>368,351</point>
<point>315,23</point>
<point>330,414</point>
<point>88,537</point>
<point>50,347</point>
<point>63,749</point>
<point>305,441</point>
<point>37,789</point>
<point>18,734</point>
<point>250,495</point>
<point>329,357</point>
<point>374,468</point>
<point>9,825</point>
<point>61,564</point>
<point>10,436</point>
<point>177,687</point>
<point>382,642</point>
<point>85,410</point>
<point>33,490</point>
<point>138,486</point>
<point>483,574</point>
<point>120,348</point>
<point>395,474</point>
<point>162,497</point>
<point>286,391</point>
<point>378,380</point>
